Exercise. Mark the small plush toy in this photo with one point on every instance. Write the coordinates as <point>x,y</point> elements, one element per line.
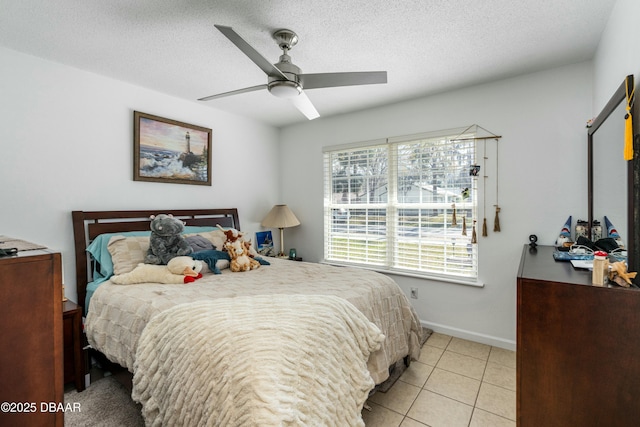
<point>231,233</point>
<point>619,274</point>
<point>166,240</point>
<point>239,254</point>
<point>182,269</point>
<point>215,260</point>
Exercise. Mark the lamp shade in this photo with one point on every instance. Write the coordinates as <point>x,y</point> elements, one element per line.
<point>280,216</point>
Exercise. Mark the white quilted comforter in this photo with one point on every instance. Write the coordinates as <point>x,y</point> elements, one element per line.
<point>267,360</point>
<point>118,314</point>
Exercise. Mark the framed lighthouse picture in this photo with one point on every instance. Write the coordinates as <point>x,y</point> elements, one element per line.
<point>169,151</point>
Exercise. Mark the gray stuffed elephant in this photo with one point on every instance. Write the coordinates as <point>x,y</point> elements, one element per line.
<point>166,240</point>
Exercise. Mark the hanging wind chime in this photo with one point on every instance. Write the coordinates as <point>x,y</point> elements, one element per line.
<point>454,221</point>
<point>465,196</point>
<point>474,236</point>
<point>484,189</point>
<point>474,172</point>
<point>496,221</point>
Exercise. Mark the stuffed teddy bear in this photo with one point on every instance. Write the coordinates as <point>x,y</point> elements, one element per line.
<point>166,240</point>
<point>182,269</point>
<point>239,253</point>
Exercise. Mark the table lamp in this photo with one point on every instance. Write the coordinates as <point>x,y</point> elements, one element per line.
<point>280,216</point>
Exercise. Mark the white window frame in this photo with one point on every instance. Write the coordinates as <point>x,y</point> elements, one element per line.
<point>391,260</point>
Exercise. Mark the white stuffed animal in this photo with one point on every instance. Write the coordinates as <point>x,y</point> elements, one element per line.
<point>182,269</point>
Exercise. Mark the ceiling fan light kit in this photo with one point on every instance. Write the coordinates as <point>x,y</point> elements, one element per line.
<point>285,79</point>
<point>284,89</point>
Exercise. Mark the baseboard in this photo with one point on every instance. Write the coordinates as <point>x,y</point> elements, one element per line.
<point>471,336</point>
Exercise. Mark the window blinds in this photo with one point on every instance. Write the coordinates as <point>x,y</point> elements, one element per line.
<point>390,205</point>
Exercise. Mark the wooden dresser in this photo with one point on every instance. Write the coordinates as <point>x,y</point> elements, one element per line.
<point>31,360</point>
<point>578,347</point>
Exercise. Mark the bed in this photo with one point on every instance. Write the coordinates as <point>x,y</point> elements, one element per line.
<point>294,343</point>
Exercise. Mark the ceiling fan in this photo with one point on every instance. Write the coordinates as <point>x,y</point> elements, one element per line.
<point>285,79</point>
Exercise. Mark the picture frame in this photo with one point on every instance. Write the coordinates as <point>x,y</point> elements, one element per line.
<point>170,151</point>
<point>264,243</point>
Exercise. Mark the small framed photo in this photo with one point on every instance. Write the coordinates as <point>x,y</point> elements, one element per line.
<point>169,151</point>
<point>264,243</point>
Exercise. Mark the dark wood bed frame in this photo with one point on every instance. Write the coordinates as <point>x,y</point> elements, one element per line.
<point>87,225</point>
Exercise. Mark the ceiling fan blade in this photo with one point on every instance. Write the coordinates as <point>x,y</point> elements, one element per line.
<point>253,54</point>
<point>233,92</point>
<point>302,103</point>
<point>315,81</point>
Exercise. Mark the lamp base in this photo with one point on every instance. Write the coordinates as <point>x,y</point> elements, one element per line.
<point>281,253</point>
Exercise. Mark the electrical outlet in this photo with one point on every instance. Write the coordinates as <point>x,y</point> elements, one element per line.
<point>414,293</point>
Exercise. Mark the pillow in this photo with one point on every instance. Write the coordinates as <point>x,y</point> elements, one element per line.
<point>216,237</point>
<point>127,252</point>
<point>98,249</point>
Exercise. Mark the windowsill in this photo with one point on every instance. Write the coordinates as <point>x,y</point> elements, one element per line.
<point>435,278</point>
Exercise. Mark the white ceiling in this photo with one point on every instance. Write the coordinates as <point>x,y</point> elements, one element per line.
<point>427,46</point>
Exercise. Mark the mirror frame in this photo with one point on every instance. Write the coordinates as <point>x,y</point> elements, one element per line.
<point>633,171</point>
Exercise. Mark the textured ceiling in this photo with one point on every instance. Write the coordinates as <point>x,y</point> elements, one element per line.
<point>427,46</point>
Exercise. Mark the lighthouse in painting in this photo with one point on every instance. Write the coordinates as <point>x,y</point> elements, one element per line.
<point>188,158</point>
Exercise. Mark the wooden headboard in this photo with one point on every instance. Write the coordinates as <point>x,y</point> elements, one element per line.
<point>88,225</point>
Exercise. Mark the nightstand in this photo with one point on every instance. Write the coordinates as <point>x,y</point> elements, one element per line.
<point>73,354</point>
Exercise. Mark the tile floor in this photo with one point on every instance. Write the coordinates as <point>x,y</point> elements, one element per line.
<point>455,383</point>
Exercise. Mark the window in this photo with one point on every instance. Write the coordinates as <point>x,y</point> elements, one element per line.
<point>389,205</point>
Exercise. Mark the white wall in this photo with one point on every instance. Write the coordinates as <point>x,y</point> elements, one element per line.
<point>618,54</point>
<point>66,143</point>
<point>542,180</point>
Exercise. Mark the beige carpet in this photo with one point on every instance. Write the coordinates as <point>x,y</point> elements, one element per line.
<point>105,403</point>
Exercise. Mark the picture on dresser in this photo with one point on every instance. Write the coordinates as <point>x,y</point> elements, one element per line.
<point>170,151</point>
